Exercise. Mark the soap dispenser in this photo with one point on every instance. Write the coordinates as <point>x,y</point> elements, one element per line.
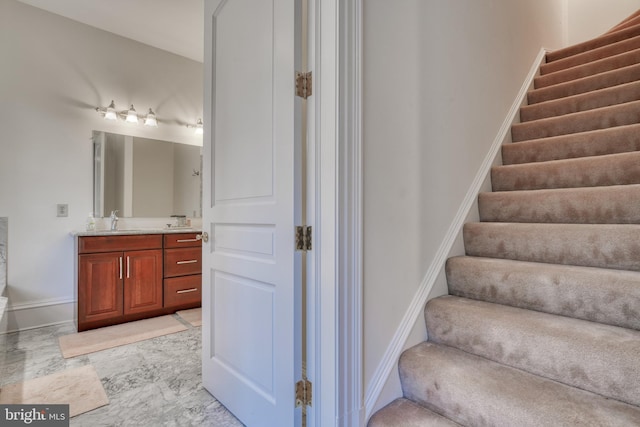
<point>91,222</point>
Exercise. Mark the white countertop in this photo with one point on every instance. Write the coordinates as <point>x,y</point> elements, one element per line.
<point>165,230</point>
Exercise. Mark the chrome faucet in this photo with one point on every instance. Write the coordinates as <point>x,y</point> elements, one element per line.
<point>114,220</point>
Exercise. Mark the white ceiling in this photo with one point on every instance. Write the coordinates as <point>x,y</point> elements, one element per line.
<point>176,26</point>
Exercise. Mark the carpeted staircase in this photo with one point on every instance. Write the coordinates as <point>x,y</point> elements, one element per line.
<point>542,324</point>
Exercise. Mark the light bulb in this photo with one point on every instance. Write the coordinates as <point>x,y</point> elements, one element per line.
<point>150,119</point>
<point>199,127</point>
<point>132,116</point>
<point>110,113</point>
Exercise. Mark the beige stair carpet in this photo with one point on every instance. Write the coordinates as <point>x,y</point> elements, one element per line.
<point>113,336</point>
<point>542,324</point>
<point>596,43</point>
<point>80,388</point>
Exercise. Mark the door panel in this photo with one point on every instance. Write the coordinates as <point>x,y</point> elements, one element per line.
<point>250,268</point>
<point>143,281</point>
<point>243,240</point>
<point>99,286</point>
<point>243,101</point>
<point>245,303</point>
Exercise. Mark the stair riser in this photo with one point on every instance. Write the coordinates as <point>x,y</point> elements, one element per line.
<point>600,81</point>
<point>593,44</point>
<point>476,392</point>
<point>605,246</point>
<point>592,55</point>
<point>601,118</point>
<point>590,69</point>
<point>598,358</point>
<point>615,169</point>
<point>406,413</point>
<point>621,139</point>
<point>597,205</point>
<point>599,295</point>
<point>589,101</point>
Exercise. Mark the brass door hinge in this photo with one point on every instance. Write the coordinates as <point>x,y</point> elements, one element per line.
<point>303,84</point>
<point>303,393</point>
<point>303,238</point>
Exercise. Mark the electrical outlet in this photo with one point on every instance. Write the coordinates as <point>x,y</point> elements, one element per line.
<point>63,210</point>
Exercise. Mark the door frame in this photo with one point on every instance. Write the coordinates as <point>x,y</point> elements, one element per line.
<point>335,298</point>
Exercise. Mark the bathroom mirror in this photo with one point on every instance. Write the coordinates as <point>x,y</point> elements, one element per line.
<point>145,178</point>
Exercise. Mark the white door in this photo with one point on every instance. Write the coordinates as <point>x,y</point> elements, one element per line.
<point>250,267</point>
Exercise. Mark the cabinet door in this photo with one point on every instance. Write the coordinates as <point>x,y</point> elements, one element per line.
<point>143,281</point>
<point>100,286</point>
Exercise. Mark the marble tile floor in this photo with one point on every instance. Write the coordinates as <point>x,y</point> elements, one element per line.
<point>156,382</point>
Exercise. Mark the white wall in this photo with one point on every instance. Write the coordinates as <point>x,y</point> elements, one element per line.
<point>587,19</point>
<point>439,79</point>
<point>54,72</point>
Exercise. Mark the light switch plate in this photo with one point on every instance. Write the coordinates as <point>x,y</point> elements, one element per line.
<point>63,210</point>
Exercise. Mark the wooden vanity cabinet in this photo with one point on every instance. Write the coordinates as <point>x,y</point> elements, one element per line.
<point>119,279</point>
<point>182,270</point>
<point>130,277</point>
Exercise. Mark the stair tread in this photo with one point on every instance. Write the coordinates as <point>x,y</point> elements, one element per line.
<point>611,49</point>
<point>585,205</point>
<point>472,390</point>
<point>585,84</point>
<point>615,140</point>
<point>612,246</point>
<point>594,43</point>
<point>629,22</point>
<point>592,68</point>
<point>591,356</point>
<point>589,293</point>
<point>596,171</point>
<point>619,94</point>
<point>627,113</point>
<point>406,413</point>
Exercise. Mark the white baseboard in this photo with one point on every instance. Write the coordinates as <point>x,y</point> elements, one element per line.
<point>413,314</point>
<point>21,317</point>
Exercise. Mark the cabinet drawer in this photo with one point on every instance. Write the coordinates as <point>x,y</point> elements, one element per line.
<point>182,240</point>
<point>183,261</point>
<point>133,242</point>
<point>182,290</point>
